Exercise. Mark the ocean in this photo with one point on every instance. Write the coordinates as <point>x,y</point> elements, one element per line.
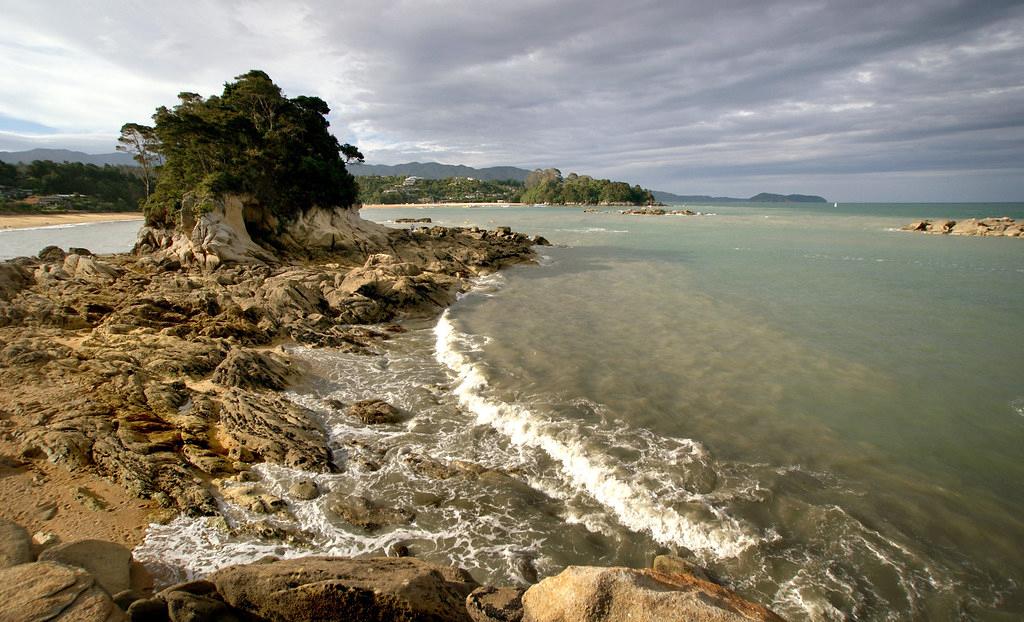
<point>825,411</point>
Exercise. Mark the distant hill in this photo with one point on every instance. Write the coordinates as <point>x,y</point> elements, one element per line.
<point>66,155</point>
<point>434,170</point>
<point>764,197</point>
<point>767,197</point>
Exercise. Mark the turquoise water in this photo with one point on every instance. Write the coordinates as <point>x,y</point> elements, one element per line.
<point>825,411</point>
<point>859,389</point>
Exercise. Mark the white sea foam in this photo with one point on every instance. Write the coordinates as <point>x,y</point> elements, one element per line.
<point>634,505</point>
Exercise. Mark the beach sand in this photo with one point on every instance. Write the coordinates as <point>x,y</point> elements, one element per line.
<point>45,497</point>
<point>22,221</point>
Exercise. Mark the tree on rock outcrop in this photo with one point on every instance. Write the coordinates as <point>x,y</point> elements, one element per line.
<point>251,140</point>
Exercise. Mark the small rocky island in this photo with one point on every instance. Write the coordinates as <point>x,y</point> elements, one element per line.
<point>161,371</point>
<point>991,227</point>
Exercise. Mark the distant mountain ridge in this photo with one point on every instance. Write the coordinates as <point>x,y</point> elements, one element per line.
<point>66,155</point>
<point>426,170</point>
<point>436,170</point>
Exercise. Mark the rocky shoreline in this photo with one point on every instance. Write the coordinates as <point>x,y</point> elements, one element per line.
<point>988,227</point>
<point>161,371</point>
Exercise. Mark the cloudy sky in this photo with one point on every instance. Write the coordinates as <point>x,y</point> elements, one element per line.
<point>867,100</point>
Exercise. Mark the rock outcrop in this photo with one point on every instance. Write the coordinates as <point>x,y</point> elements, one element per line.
<point>156,369</point>
<point>990,227</point>
<point>593,594</point>
<point>322,588</point>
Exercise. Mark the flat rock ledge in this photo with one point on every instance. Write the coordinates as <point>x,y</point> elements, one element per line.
<point>989,227</point>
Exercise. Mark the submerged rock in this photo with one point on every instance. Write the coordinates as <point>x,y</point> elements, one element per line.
<point>366,514</point>
<point>989,227</point>
<point>373,412</point>
<point>325,588</point>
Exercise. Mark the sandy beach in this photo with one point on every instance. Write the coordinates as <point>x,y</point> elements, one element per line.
<point>24,221</point>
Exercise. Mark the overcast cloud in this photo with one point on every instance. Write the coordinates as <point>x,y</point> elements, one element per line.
<point>867,100</point>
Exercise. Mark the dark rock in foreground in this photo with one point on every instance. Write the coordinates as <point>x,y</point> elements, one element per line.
<point>330,588</point>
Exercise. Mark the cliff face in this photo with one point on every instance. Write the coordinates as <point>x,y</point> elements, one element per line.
<point>236,229</point>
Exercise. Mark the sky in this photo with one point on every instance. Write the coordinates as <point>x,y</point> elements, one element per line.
<point>915,100</point>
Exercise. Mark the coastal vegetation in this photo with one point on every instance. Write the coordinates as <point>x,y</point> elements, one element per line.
<point>548,186</point>
<point>44,186</point>
<point>250,140</point>
<point>397,189</point>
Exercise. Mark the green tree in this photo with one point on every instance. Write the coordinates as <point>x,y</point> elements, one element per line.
<point>141,142</point>
<point>251,140</point>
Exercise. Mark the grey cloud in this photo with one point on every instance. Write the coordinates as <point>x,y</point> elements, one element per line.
<point>694,97</point>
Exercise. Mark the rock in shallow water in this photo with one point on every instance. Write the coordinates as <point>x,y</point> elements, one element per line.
<point>366,514</point>
<point>590,594</point>
<point>373,412</point>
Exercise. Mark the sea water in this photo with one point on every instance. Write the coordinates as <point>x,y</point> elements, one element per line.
<point>826,412</point>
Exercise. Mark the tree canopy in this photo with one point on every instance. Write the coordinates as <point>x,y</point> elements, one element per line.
<point>548,186</point>
<point>251,139</point>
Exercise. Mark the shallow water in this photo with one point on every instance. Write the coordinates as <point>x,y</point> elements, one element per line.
<point>826,412</point>
<point>98,237</point>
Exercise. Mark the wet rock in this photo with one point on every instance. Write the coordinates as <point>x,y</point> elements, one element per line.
<point>273,429</point>
<point>593,594</point>
<point>364,513</point>
<point>199,587</point>
<point>187,607</point>
<point>108,562</point>
<point>52,254</point>
<point>539,240</point>
<point>673,565</point>
<point>321,588</point>
<point>373,412</point>
<point>304,490</point>
<point>15,544</point>
<point>249,369</point>
<point>148,610</point>
<point>428,467</point>
<point>75,250</point>
<point>410,220</point>
<point>398,550</point>
<point>495,604</point>
<point>50,591</point>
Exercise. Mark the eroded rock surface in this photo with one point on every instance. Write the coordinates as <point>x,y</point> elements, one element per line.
<point>51,591</point>
<point>160,370</point>
<point>325,588</point>
<point>591,594</point>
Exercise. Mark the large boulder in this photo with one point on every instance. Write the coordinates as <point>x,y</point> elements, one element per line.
<point>13,279</point>
<point>108,562</point>
<point>334,588</point>
<point>591,594</point>
<point>15,544</point>
<point>54,592</point>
